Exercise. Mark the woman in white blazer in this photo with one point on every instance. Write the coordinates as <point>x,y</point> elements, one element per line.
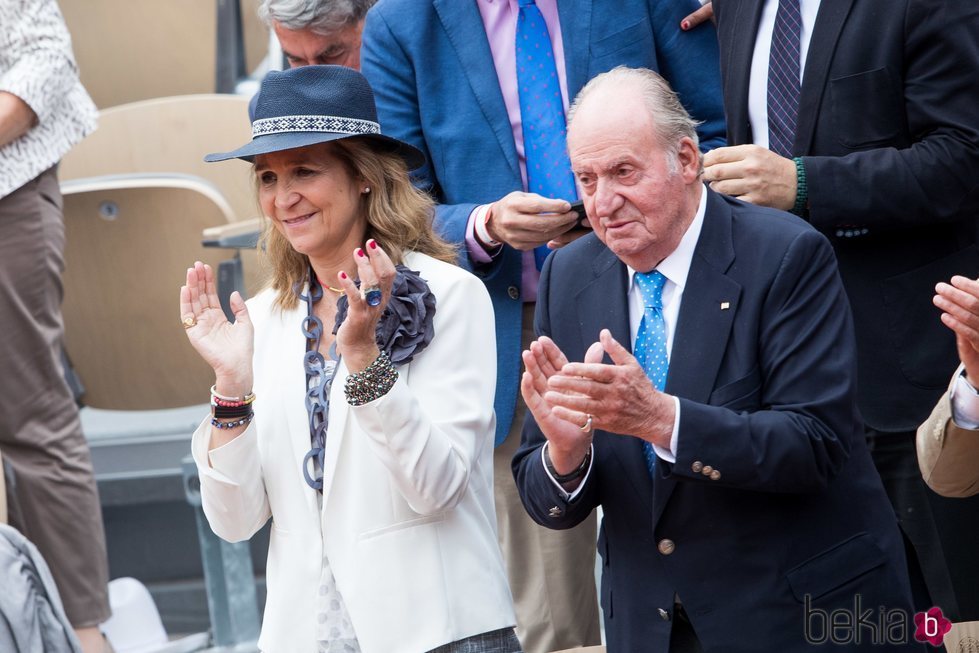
<point>376,469</point>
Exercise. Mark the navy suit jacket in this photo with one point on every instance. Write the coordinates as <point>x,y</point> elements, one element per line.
<point>432,72</point>
<point>888,131</point>
<point>773,497</point>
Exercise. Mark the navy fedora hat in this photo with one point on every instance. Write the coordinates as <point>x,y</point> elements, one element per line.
<point>315,104</point>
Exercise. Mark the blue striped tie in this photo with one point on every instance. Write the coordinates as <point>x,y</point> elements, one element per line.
<point>541,113</point>
<point>783,78</point>
<point>650,349</point>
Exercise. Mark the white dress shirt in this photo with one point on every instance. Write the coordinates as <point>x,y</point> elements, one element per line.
<point>758,82</point>
<point>965,404</point>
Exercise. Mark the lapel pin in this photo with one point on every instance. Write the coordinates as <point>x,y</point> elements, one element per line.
<point>725,305</point>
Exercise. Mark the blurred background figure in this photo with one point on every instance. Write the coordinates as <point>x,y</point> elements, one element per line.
<point>43,112</point>
<point>948,443</point>
<point>873,141</point>
<point>317,31</point>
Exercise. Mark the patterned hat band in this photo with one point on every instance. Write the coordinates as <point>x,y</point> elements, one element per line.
<point>331,124</point>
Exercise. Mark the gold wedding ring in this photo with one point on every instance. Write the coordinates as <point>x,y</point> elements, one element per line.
<point>587,426</point>
<point>189,321</point>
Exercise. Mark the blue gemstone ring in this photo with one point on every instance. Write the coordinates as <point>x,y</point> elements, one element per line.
<point>372,295</point>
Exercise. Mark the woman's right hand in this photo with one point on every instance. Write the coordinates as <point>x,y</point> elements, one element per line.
<point>226,347</point>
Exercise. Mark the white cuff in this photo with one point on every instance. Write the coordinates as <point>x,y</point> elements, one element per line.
<point>670,455</point>
<point>568,496</point>
<point>965,403</point>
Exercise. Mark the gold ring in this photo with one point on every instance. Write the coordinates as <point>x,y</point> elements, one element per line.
<point>189,321</point>
<point>587,426</point>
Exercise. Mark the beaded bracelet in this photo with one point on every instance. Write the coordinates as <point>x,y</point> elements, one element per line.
<point>375,381</point>
<point>232,425</point>
<point>221,400</point>
<point>802,188</point>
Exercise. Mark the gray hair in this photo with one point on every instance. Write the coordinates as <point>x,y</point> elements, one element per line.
<point>671,120</point>
<point>321,16</point>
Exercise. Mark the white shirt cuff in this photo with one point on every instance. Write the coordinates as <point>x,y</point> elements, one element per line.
<point>670,454</point>
<point>965,404</point>
<point>568,496</point>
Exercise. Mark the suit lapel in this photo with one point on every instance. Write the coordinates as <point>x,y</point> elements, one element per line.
<point>737,67</point>
<point>603,303</point>
<point>464,27</point>
<point>825,34</point>
<point>707,312</point>
<point>575,20</point>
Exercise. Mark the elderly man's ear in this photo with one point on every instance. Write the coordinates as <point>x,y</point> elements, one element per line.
<point>689,159</point>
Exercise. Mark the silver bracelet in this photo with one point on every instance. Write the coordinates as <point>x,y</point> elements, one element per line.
<point>375,381</point>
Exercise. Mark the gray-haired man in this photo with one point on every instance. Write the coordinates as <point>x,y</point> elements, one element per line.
<point>317,31</point>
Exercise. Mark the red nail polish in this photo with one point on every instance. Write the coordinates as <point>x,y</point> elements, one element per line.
<point>685,25</point>
<point>360,252</point>
<point>372,243</point>
<point>343,275</point>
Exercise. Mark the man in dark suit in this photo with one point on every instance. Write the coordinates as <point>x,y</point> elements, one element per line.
<point>876,148</point>
<point>446,79</point>
<point>741,500</point>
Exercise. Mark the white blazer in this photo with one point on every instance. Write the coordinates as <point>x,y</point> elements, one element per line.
<point>408,484</point>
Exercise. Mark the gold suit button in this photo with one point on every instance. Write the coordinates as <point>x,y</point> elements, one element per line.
<point>514,292</point>
<point>715,475</point>
<point>697,466</point>
<point>706,470</point>
<point>666,547</point>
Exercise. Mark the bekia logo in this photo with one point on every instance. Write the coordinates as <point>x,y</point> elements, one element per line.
<point>931,626</point>
<point>877,626</point>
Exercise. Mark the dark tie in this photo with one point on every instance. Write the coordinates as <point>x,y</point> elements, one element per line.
<point>650,349</point>
<point>783,78</point>
<point>541,113</point>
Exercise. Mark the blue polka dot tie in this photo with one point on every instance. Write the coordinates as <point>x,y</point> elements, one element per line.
<point>650,349</point>
<point>541,113</point>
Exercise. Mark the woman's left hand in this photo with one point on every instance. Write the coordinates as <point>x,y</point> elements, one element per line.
<point>356,340</point>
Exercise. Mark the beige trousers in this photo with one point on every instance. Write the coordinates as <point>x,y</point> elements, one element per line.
<point>551,573</point>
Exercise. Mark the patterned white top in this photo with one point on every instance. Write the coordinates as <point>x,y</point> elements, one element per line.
<point>37,65</point>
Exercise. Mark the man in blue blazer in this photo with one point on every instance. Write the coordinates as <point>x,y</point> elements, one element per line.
<point>440,73</point>
<point>754,520</point>
<point>440,70</point>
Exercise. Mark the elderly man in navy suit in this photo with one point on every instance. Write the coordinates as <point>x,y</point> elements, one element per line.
<point>741,504</point>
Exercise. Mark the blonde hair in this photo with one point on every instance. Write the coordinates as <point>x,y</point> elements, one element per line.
<point>399,218</point>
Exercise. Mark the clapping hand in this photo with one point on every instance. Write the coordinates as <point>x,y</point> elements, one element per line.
<point>566,397</point>
<point>227,347</point>
<point>959,301</point>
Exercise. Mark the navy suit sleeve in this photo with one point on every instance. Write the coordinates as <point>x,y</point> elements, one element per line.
<point>537,490</point>
<point>933,177</point>
<point>787,425</point>
<point>387,67</point>
<point>690,61</point>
